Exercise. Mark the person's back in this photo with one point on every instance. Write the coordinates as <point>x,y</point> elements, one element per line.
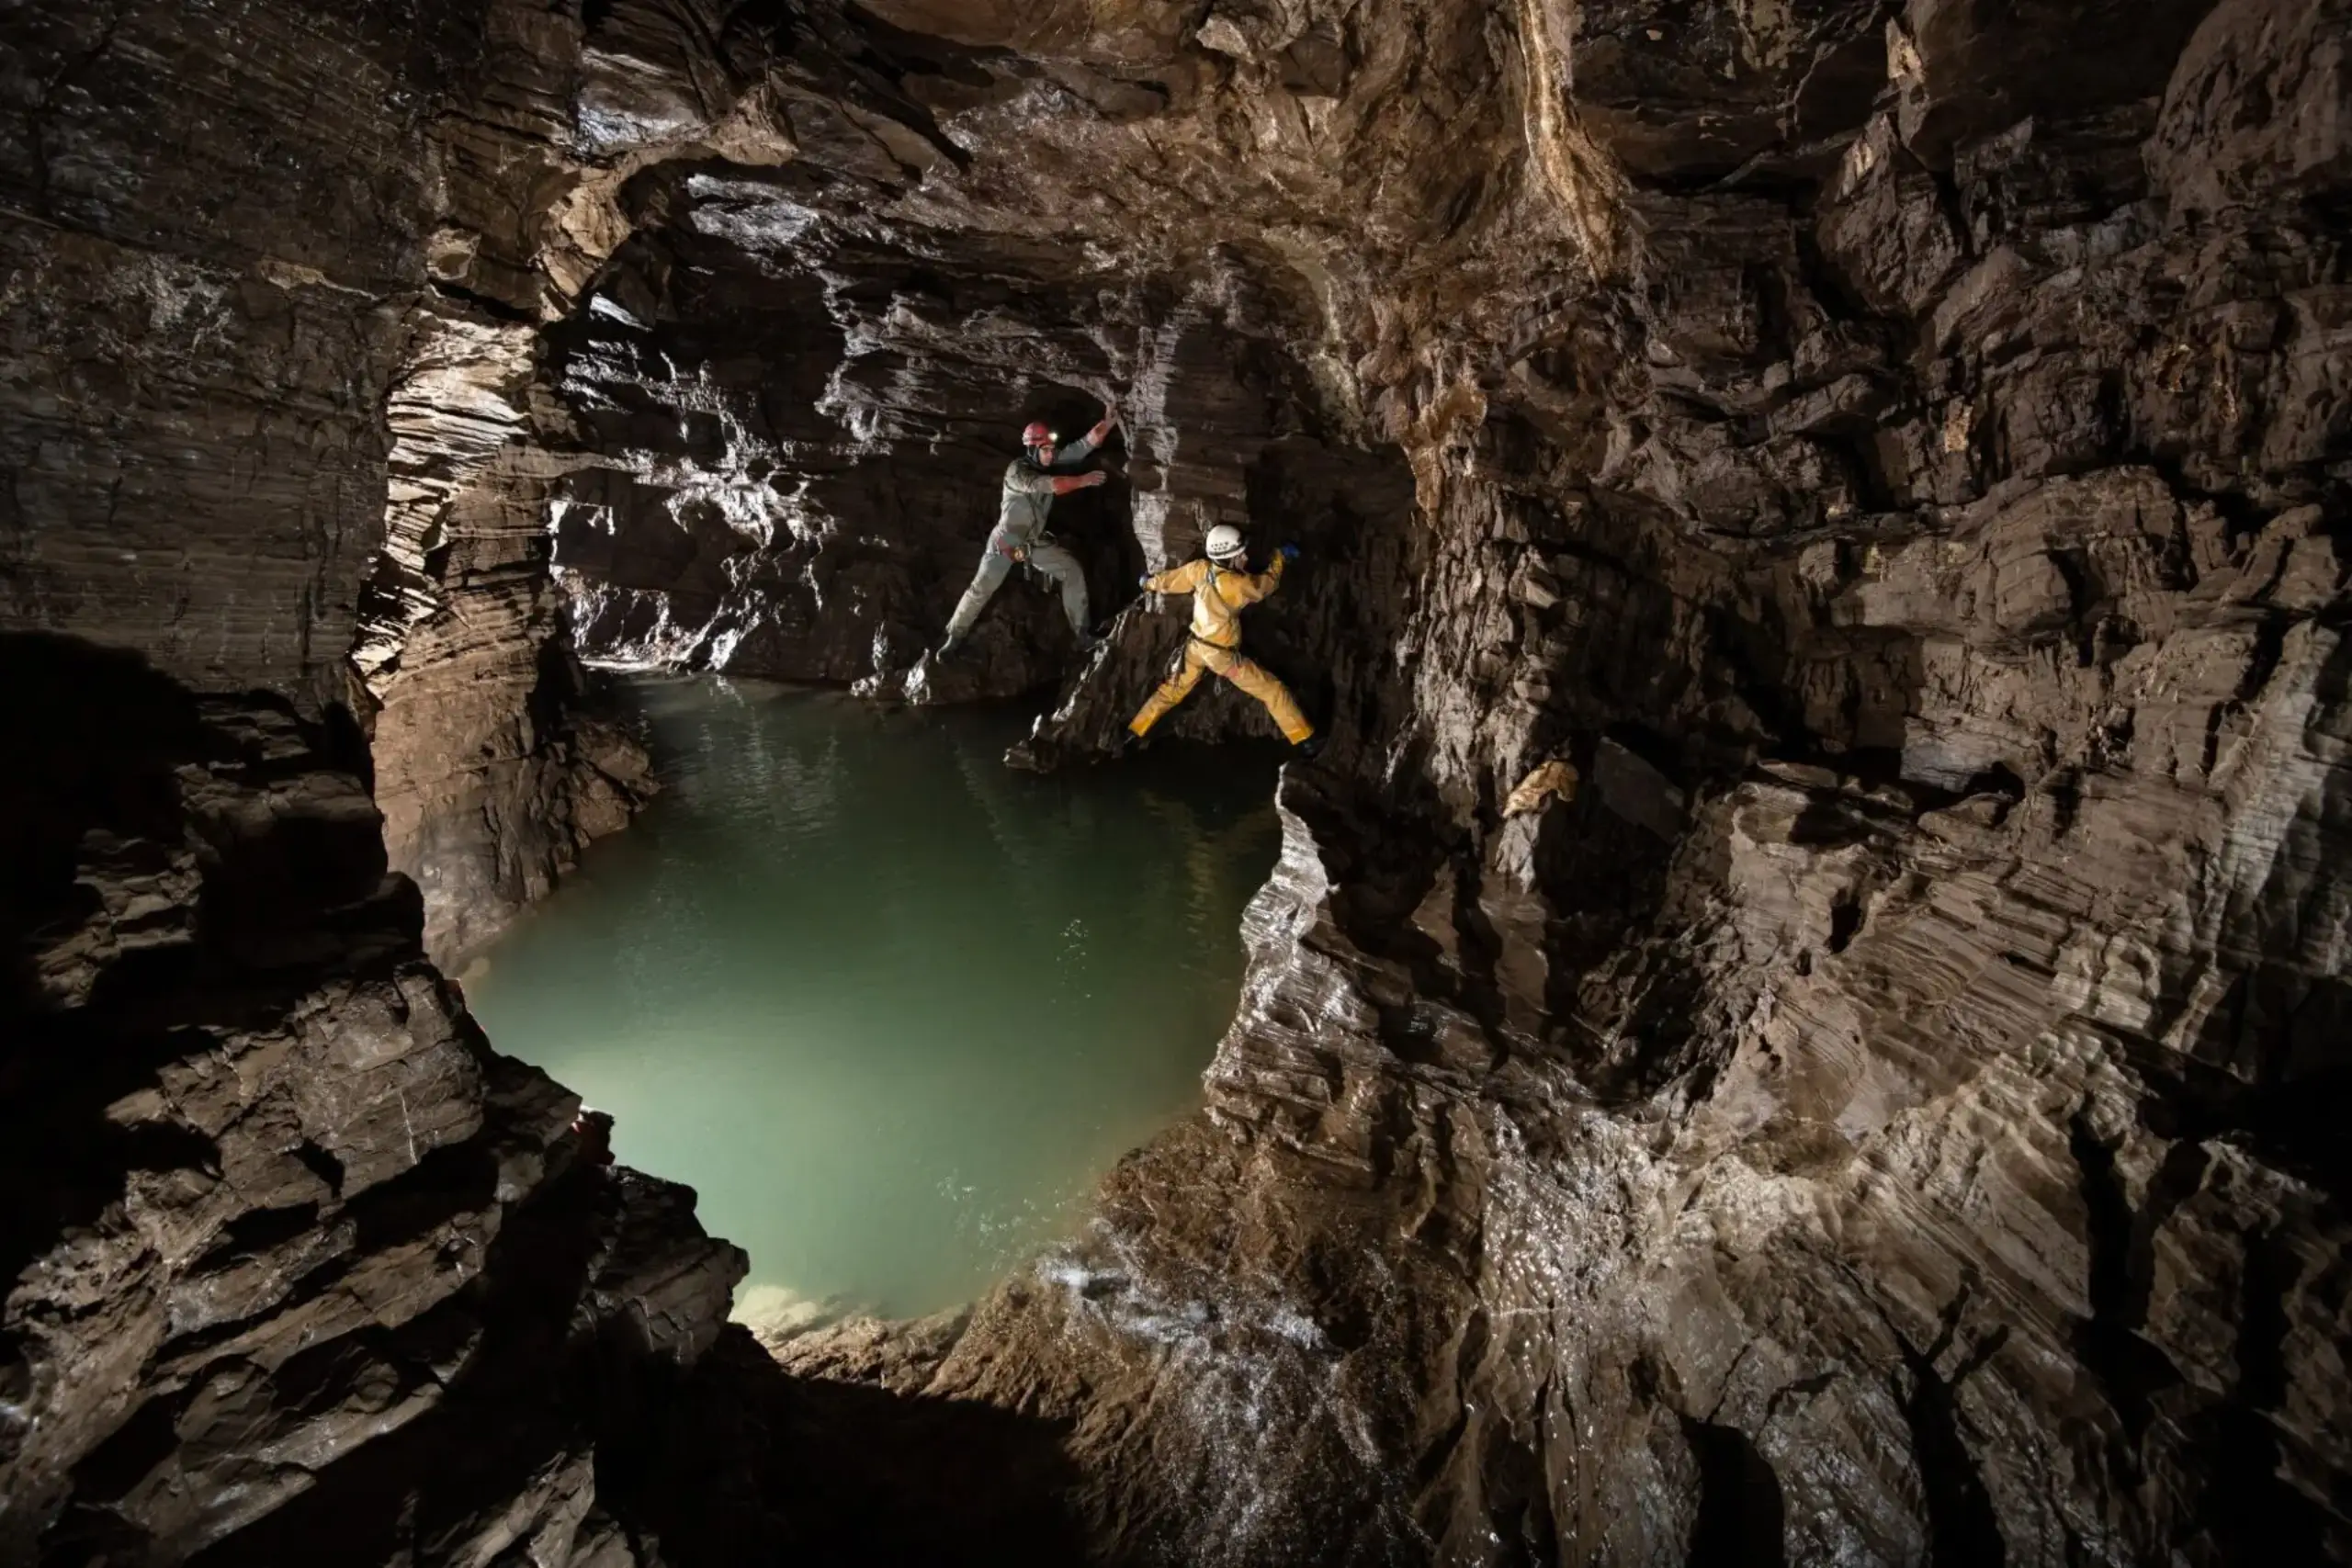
<point>1219,595</point>
<point>1222,587</point>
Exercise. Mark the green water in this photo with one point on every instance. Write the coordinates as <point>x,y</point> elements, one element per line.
<point>890,1008</point>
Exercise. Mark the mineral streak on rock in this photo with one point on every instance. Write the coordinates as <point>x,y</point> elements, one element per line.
<point>1890,459</point>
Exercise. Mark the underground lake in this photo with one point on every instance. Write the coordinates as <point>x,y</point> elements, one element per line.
<point>890,1007</point>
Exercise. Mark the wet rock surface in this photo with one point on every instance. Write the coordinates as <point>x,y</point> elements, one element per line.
<point>1876,1104</point>
<point>299,1269</point>
<point>1876,1117</point>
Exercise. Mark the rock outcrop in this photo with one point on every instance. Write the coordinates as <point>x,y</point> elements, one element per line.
<point>1882,467</point>
<point>299,1269</point>
<point>496,757</point>
<point>1877,1118</point>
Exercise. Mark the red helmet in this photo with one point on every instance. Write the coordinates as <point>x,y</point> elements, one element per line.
<point>1037,434</point>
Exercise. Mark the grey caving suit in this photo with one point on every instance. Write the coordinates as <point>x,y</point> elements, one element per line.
<point>1020,534</point>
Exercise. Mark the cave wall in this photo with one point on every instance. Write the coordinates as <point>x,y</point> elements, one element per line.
<point>494,760</point>
<point>783,490</point>
<point>198,359</point>
<point>792,447</point>
<point>300,1270</point>
<point>497,757</point>
<point>1878,1108</point>
<point>296,1268</point>
<point>211,384</point>
<point>1875,1116</point>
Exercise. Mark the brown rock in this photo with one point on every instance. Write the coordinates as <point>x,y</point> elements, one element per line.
<point>1896,457</point>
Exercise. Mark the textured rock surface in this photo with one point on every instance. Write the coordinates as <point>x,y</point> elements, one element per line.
<point>494,762</point>
<point>1881,1117</point>
<point>1885,1113</point>
<point>195,365</point>
<point>206,390</point>
<point>299,1269</point>
<point>798,441</point>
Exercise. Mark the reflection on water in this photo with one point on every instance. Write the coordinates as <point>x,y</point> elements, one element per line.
<point>890,1007</point>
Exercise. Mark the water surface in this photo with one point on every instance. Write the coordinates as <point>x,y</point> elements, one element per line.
<point>890,1007</point>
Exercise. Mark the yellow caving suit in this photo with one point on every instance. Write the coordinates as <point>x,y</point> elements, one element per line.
<point>1218,595</point>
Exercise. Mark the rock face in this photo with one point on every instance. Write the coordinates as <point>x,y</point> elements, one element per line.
<point>798,443</point>
<point>197,367</point>
<point>1876,1104</point>
<point>208,389</point>
<point>1879,1117</point>
<point>300,1270</point>
<point>494,760</point>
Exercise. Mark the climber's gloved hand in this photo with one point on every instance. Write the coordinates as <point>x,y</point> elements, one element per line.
<point>1289,552</point>
<point>1098,478</point>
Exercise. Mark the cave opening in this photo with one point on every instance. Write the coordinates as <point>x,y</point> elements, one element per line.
<point>890,1007</point>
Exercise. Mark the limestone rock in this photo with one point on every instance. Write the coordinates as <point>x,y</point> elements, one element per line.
<point>1895,454</point>
<point>296,1267</point>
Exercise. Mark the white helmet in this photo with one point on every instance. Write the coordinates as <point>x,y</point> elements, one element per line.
<point>1225,542</point>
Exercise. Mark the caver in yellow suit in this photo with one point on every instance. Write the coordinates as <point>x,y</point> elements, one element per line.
<point>1220,589</point>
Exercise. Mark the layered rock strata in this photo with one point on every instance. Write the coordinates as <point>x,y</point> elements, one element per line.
<point>496,760</point>
<point>298,1270</point>
<point>1878,1117</point>
<point>1875,1109</point>
<point>197,367</point>
<point>208,389</point>
<point>496,756</point>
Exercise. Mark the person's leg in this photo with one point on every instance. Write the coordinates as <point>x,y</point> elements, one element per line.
<point>991,577</point>
<point>1254,679</point>
<point>1174,690</point>
<point>1063,567</point>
